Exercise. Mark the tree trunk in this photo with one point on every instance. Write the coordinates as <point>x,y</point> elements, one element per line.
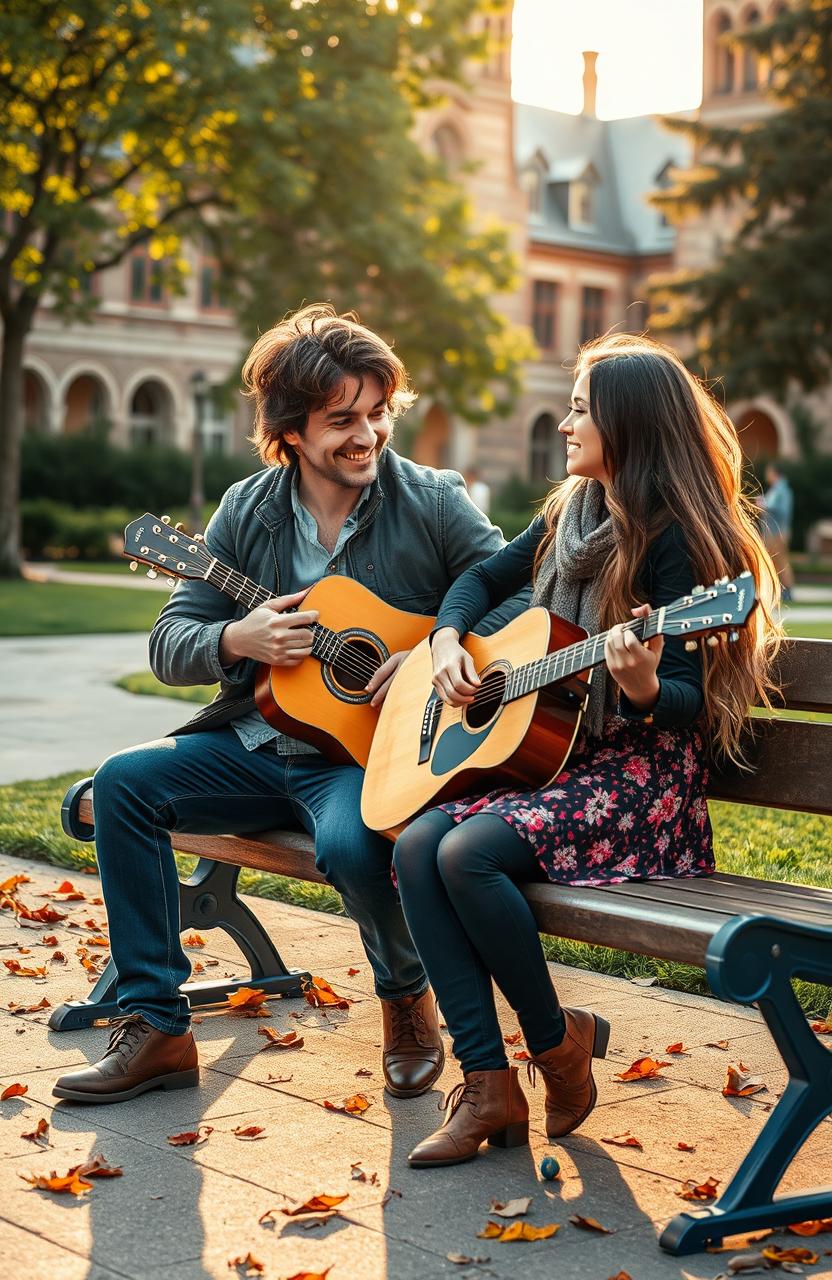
<point>15,330</point>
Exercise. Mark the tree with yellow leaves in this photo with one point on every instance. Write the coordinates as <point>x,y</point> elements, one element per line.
<point>282,128</point>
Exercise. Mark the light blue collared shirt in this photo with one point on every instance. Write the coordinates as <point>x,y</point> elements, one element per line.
<point>310,561</point>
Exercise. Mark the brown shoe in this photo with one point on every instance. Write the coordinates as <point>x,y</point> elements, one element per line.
<point>489,1106</point>
<point>413,1054</point>
<point>567,1071</point>
<point>138,1058</point>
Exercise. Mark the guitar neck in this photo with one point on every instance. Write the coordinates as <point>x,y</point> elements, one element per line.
<point>568,661</point>
<point>326,644</point>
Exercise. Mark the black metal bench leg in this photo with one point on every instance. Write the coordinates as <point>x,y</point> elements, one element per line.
<point>753,961</point>
<point>208,900</point>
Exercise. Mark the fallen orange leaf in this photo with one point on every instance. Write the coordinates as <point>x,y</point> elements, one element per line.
<point>291,1040</point>
<point>678,1047</point>
<point>514,1038</point>
<point>97,1167</point>
<point>643,1069</point>
<point>352,972</point>
<point>190,1137</point>
<point>251,1264</point>
<point>813,1227</point>
<point>245,998</point>
<point>775,1254</point>
<point>621,1275</point>
<point>684,1146</point>
<point>198,967</point>
<point>315,1204</point>
<point>318,992</point>
<point>716,1044</point>
<point>624,1140</point>
<point>310,1275</point>
<point>823,1028</point>
<point>354,1106</point>
<point>10,885</point>
<point>30,1008</point>
<point>521,1056</point>
<point>69,1184</point>
<point>704,1192</point>
<point>14,1091</point>
<point>49,940</point>
<point>97,941</point>
<point>252,1131</point>
<point>588,1224</point>
<point>40,1134</point>
<point>20,971</point>
<point>194,940</point>
<point>516,1231</point>
<point>738,1085</point>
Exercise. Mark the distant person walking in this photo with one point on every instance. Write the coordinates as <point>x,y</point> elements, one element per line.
<point>777,505</point>
<point>480,492</point>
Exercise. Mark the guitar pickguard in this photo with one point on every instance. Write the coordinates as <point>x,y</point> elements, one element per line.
<point>456,745</point>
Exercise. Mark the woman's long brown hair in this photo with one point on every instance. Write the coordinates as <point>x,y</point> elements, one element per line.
<point>672,453</point>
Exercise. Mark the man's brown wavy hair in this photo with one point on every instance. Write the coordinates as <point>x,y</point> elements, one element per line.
<point>672,453</point>
<point>295,369</point>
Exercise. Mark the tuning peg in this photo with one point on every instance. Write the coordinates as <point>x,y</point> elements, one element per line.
<point>721,582</point>
<point>696,591</point>
<point>733,637</point>
<point>165,519</point>
<point>690,645</point>
<point>713,641</point>
<point>134,564</point>
<point>198,537</point>
<point>151,573</point>
<point>179,526</point>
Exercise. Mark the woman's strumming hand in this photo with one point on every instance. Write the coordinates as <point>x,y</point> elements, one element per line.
<point>632,662</point>
<point>455,677</point>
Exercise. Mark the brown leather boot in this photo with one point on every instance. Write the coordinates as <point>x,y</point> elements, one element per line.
<point>138,1058</point>
<point>487,1106</point>
<point>413,1054</point>
<point>567,1071</point>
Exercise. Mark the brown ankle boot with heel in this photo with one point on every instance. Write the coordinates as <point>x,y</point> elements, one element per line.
<point>567,1071</point>
<point>488,1106</point>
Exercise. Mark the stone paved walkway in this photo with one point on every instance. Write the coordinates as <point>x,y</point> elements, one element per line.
<point>182,1213</point>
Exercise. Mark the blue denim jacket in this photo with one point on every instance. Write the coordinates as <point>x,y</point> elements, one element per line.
<point>418,531</point>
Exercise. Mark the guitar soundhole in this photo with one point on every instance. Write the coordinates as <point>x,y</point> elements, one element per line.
<point>357,661</point>
<point>487,700</point>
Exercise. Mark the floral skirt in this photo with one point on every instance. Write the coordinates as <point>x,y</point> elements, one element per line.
<point>628,806</point>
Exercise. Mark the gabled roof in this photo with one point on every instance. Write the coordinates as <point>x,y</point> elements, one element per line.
<point>625,156</point>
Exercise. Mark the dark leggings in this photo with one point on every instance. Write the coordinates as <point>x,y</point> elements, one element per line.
<point>471,923</point>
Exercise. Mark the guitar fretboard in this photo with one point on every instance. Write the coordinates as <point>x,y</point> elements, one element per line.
<point>573,658</point>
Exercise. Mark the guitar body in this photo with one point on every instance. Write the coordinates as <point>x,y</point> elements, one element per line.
<point>322,702</point>
<point>525,741</point>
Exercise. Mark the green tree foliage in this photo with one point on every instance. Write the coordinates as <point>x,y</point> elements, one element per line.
<point>281,128</point>
<point>762,314</point>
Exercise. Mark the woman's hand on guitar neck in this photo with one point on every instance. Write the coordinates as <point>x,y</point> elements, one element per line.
<point>455,677</point>
<point>632,662</point>
<point>271,634</point>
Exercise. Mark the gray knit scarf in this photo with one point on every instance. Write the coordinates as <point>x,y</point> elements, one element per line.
<point>569,582</point>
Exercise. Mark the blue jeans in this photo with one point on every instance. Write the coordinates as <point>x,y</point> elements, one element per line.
<point>207,784</point>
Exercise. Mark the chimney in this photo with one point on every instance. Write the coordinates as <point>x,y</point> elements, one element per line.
<point>590,84</point>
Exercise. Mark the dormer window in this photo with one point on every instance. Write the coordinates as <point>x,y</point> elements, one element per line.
<point>582,204</point>
<point>533,176</point>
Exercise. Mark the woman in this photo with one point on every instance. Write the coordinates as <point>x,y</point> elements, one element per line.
<point>651,505</point>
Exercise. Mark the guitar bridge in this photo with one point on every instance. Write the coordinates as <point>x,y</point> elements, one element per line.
<point>430,723</point>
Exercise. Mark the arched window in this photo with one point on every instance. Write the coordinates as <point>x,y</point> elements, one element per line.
<point>87,404</point>
<point>448,145</point>
<point>750,59</point>
<point>150,414</point>
<point>723,57</point>
<point>547,460</point>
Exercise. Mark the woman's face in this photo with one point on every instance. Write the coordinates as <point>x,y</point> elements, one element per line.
<point>584,452</point>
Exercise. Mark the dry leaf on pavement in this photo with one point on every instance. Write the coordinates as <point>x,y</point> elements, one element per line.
<point>813,1227</point>
<point>512,1208</point>
<point>318,992</point>
<point>716,1044</point>
<point>193,939</point>
<point>40,1134</point>
<point>21,971</point>
<point>643,1069</point>
<point>739,1085</point>
<point>250,1132</point>
<point>14,1091</point>
<point>775,1254</point>
<point>515,1231</point>
<point>702,1192</point>
<point>245,998</point>
<point>588,1224</point>
<point>678,1047</point>
<point>623,1140</point>
<point>290,1040</point>
<point>684,1146</point>
<point>823,1028</point>
<point>191,1136</point>
<point>514,1038</point>
<point>69,1184</point>
<point>247,1266</point>
<point>353,1106</point>
<point>315,1204</point>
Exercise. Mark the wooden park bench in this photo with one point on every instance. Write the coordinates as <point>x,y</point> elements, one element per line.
<point>751,936</point>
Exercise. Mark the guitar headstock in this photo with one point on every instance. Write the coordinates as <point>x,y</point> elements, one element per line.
<point>723,608</point>
<point>150,540</point>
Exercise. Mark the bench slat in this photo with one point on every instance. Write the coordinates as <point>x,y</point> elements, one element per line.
<point>804,669</point>
<point>790,760</point>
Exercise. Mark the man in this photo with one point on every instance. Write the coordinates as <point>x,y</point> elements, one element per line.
<point>777,504</point>
<point>333,498</point>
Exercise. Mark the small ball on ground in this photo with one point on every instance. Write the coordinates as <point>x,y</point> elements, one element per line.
<point>549,1168</point>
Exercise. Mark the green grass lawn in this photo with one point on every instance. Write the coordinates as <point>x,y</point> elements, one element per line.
<point>144,682</point>
<point>766,843</point>
<point>92,566</point>
<point>59,609</point>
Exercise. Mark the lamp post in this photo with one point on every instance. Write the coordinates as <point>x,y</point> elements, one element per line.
<point>201,391</point>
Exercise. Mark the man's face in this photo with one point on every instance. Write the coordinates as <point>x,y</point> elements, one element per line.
<point>344,440</point>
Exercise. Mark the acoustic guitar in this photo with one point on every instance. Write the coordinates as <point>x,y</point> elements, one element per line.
<point>525,716</point>
<point>322,701</point>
